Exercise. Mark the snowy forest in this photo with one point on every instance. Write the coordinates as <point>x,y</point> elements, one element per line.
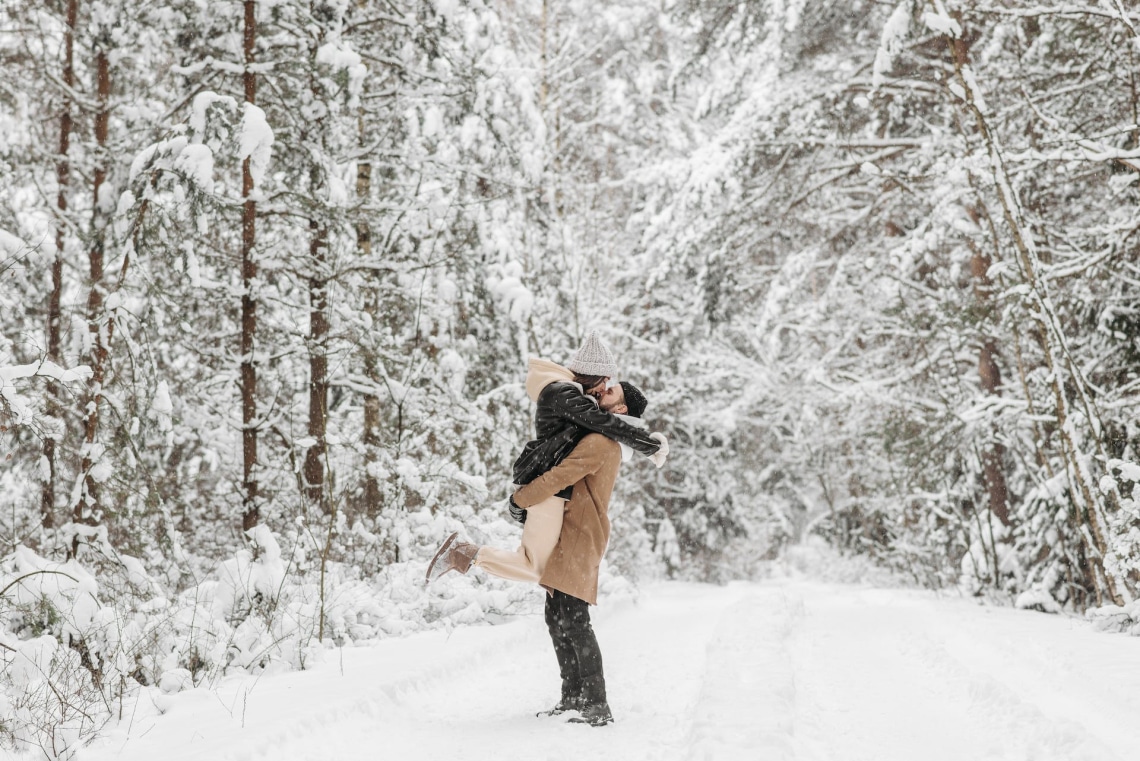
<point>271,271</point>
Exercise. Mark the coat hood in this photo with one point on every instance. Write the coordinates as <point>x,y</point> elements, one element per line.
<point>540,373</point>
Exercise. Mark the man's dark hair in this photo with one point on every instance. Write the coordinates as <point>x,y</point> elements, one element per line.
<point>635,401</point>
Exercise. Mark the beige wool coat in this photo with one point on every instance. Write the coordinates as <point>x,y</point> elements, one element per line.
<point>591,468</point>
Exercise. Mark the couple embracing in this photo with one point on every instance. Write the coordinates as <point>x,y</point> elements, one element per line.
<point>585,424</point>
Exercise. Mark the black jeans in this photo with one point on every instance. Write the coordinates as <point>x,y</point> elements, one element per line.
<point>576,647</point>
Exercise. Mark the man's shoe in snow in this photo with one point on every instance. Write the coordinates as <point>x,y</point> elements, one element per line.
<point>564,705</point>
<point>452,555</point>
<point>594,714</point>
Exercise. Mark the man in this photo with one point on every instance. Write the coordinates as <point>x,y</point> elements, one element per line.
<point>571,575</point>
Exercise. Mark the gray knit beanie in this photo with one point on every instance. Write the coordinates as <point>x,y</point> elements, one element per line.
<point>593,358</point>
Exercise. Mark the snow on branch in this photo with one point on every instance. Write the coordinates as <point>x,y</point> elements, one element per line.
<point>12,402</point>
<point>10,245</point>
<point>891,43</point>
<point>1085,150</point>
<point>940,22</point>
<point>1065,10</point>
<point>340,57</point>
<point>255,140</point>
<point>44,369</point>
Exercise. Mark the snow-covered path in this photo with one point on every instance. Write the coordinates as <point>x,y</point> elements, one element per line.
<point>779,670</point>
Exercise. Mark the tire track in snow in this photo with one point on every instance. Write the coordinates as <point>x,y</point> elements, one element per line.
<point>658,669</point>
<point>862,693</point>
<point>1060,665</point>
<point>990,674</point>
<point>888,675</point>
<point>746,706</point>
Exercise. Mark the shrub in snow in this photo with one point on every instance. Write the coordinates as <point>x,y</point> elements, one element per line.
<point>1116,618</point>
<point>77,637</point>
<point>65,655</point>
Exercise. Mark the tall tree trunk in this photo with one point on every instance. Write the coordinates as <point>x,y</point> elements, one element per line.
<point>993,470</point>
<point>251,513</point>
<point>373,496</point>
<point>87,508</point>
<point>63,181</point>
<point>314,467</point>
<point>1135,88</point>
<point>993,454</point>
<point>372,493</point>
<point>314,470</point>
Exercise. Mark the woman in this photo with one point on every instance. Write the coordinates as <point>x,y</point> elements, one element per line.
<point>572,402</point>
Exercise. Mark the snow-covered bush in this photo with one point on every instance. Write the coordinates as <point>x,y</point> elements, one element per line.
<point>63,652</point>
<point>1117,618</point>
<point>77,636</point>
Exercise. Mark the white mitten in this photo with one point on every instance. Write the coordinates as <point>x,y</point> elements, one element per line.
<point>659,456</point>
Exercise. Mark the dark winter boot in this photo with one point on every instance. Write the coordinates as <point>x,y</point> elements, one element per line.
<point>595,710</point>
<point>452,555</point>
<point>595,714</point>
<point>573,703</point>
<point>571,699</point>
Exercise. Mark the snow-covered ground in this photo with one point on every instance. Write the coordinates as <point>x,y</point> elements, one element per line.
<point>776,670</point>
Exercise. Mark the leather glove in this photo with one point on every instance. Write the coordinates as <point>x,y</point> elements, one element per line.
<point>659,456</point>
<point>518,513</point>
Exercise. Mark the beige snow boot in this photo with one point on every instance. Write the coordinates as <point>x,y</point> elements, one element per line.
<point>452,555</point>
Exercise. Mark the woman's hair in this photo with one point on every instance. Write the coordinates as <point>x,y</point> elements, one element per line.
<point>588,381</point>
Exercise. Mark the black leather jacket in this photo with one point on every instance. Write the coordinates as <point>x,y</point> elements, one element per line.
<point>564,417</point>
